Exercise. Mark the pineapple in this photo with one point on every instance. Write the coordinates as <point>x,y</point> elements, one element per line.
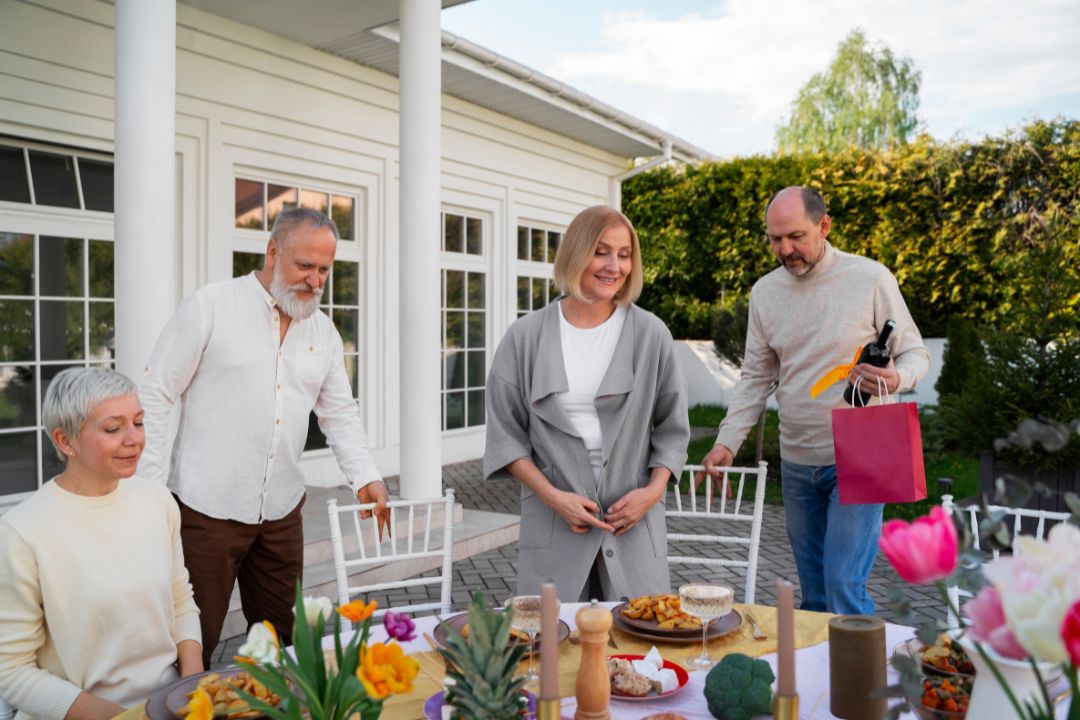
<point>482,668</point>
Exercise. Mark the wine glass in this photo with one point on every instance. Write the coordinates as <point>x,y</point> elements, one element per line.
<point>706,602</point>
<point>527,620</point>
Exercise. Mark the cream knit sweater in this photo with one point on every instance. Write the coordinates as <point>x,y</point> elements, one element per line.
<point>94,596</point>
<point>799,329</point>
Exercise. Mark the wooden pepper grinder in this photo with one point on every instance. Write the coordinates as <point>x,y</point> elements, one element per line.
<point>593,689</point>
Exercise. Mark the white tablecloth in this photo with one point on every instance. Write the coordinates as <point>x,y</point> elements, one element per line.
<point>811,671</point>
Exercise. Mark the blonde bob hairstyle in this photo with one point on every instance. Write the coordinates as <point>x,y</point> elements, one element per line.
<point>579,245</point>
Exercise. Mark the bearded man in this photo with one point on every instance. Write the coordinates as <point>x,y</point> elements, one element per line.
<point>249,359</point>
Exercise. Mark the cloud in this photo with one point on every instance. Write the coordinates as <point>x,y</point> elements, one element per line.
<point>739,67</point>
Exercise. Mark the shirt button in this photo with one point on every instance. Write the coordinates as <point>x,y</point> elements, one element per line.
<point>277,421</point>
<point>271,456</point>
<point>610,553</point>
<point>311,348</point>
<point>279,386</point>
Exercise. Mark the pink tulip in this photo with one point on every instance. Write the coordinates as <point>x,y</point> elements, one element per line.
<point>988,625</point>
<point>922,551</point>
<point>1070,634</point>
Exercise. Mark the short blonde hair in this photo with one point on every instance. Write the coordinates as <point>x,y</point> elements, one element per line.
<point>579,245</point>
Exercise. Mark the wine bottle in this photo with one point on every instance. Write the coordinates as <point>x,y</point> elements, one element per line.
<point>874,353</point>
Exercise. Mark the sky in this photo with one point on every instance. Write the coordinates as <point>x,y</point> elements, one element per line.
<point>722,74</point>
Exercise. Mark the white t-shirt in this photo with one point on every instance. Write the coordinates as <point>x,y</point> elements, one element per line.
<point>587,352</point>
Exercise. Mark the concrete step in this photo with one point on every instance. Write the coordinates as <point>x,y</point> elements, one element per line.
<point>474,533</point>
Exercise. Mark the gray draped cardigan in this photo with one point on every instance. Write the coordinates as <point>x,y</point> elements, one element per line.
<point>641,403</point>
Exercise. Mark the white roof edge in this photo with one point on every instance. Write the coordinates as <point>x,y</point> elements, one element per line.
<point>516,72</point>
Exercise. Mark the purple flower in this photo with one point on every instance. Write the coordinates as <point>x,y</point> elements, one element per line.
<point>399,626</point>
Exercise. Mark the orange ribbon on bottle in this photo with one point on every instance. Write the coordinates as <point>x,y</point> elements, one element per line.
<point>838,373</point>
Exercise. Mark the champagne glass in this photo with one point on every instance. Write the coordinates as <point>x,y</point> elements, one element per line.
<point>527,620</point>
<point>706,602</point>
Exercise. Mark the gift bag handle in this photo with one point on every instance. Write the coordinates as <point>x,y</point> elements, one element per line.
<point>882,388</point>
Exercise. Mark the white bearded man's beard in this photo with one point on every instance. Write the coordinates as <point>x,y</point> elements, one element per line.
<point>285,296</point>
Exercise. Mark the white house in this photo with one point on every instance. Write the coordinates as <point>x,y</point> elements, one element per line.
<point>146,146</point>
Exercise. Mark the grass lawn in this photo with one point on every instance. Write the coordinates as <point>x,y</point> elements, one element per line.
<point>963,470</point>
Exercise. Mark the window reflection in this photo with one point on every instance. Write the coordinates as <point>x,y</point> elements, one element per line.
<point>18,463</point>
<point>315,200</point>
<point>61,266</point>
<point>16,264</point>
<point>17,396</point>
<point>16,330</point>
<point>249,204</point>
<point>278,199</point>
<point>343,214</point>
<point>61,330</point>
<point>54,179</point>
<point>13,184</point>
<point>97,184</point>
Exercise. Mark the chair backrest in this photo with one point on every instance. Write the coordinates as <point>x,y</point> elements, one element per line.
<point>411,538</point>
<point>709,510</point>
<point>971,513</point>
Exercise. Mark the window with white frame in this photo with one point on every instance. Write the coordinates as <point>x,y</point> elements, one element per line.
<point>258,204</point>
<point>536,248</point>
<point>464,321</point>
<point>56,296</point>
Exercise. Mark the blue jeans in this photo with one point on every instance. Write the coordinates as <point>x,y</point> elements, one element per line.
<point>834,544</point>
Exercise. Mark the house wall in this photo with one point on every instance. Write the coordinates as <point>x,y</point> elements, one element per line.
<point>258,105</point>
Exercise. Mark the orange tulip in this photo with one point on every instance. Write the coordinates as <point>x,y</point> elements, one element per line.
<point>200,706</point>
<point>357,611</point>
<point>385,670</point>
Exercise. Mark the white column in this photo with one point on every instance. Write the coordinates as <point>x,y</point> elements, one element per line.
<point>146,258</point>
<point>419,203</point>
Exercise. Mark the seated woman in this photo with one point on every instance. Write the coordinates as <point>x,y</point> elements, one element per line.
<point>95,603</point>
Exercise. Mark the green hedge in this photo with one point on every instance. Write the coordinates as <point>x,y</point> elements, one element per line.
<point>943,216</point>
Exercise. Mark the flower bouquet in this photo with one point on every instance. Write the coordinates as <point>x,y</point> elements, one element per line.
<point>357,680</point>
<point>1022,625</point>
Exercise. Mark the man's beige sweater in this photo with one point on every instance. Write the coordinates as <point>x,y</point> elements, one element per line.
<point>799,329</point>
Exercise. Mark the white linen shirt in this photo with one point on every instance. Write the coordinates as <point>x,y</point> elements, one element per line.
<point>244,403</point>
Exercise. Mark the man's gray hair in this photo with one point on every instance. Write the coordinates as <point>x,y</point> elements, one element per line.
<point>813,203</point>
<point>294,218</point>
<point>74,392</point>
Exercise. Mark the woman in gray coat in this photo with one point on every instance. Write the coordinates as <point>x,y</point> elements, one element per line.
<point>586,408</point>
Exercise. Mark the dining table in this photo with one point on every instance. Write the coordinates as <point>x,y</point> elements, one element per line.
<point>811,664</point>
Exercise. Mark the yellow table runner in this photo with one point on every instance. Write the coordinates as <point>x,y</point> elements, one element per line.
<point>811,628</point>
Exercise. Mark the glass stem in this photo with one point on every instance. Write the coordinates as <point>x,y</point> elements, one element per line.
<point>704,645</point>
<point>532,651</point>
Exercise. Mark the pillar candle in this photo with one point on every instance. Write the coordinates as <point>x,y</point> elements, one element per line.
<point>856,667</point>
<point>785,623</point>
<point>549,643</point>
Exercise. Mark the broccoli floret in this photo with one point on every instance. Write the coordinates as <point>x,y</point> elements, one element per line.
<point>739,687</point>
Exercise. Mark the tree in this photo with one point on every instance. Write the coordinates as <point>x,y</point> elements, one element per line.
<point>866,98</point>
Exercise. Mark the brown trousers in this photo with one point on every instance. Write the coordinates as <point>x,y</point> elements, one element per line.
<point>266,560</point>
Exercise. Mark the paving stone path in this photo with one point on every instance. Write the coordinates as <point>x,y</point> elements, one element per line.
<point>494,573</point>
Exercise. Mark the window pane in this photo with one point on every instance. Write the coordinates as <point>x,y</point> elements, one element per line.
<point>474,236</point>
<point>454,370</point>
<point>455,289</point>
<point>102,331</point>
<point>315,200</point>
<point>278,198</point>
<point>16,264</point>
<point>538,242</point>
<point>315,439</point>
<point>453,233</point>
<point>18,464</point>
<point>346,321</point>
<point>343,215</point>
<point>54,179</point>
<point>351,370</point>
<point>476,329</point>
<point>60,263</point>
<point>552,245</point>
<point>51,464</point>
<point>552,291</point>
<point>476,408</point>
<point>97,184</point>
<point>523,294</point>
<point>346,283</point>
<point>13,185</point>
<point>17,396</point>
<point>455,329</point>
<point>455,410</point>
<point>101,269</point>
<point>249,204</point>
<point>245,262</point>
<point>523,243</point>
<point>476,368</point>
<point>16,331</point>
<point>48,372</point>
<point>476,290</point>
<point>61,330</point>
<point>538,299</point>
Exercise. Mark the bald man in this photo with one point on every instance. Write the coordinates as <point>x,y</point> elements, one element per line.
<point>806,316</point>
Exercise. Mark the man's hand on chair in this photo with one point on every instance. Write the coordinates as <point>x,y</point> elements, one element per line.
<point>375,492</point>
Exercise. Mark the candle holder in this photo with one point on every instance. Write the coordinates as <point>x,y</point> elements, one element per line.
<point>786,707</point>
<point>547,710</point>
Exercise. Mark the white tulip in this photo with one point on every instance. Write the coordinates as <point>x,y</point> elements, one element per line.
<point>261,645</point>
<point>314,606</point>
